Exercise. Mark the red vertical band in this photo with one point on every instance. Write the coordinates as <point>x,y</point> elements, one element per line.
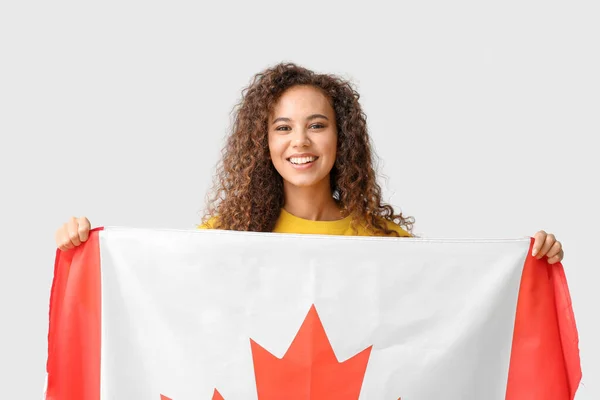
<point>73,364</point>
<point>544,362</point>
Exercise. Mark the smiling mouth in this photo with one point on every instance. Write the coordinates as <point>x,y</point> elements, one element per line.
<point>302,160</point>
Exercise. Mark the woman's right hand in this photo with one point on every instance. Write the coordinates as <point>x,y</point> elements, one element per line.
<point>72,233</point>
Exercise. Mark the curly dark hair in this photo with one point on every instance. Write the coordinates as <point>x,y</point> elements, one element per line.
<point>247,192</point>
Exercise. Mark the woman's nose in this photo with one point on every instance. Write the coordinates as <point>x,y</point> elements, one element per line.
<point>301,138</point>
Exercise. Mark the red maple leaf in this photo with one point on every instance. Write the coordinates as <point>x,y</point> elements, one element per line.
<point>308,370</point>
<point>216,396</point>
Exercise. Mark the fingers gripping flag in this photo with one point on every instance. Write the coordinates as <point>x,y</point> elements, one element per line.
<point>186,315</point>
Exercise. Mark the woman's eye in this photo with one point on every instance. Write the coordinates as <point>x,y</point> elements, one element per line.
<point>285,128</point>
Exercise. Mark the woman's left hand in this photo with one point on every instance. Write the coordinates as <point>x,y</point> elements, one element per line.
<point>545,244</point>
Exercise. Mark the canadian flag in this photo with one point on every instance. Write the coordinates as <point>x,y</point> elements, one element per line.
<point>208,314</point>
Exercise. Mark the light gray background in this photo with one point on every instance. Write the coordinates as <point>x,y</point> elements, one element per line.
<point>485,116</point>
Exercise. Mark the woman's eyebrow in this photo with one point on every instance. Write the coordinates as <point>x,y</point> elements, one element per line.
<point>310,117</point>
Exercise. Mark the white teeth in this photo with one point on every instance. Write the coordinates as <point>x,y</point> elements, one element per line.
<point>302,160</point>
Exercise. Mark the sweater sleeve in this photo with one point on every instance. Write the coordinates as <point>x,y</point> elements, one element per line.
<point>397,228</point>
<point>210,224</point>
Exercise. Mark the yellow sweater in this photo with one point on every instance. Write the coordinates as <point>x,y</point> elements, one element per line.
<point>288,223</point>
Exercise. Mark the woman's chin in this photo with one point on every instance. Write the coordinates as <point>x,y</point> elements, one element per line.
<point>304,181</point>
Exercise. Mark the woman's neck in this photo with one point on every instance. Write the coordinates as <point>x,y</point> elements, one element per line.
<point>314,203</point>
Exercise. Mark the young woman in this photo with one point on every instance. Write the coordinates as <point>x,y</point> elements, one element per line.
<point>298,160</point>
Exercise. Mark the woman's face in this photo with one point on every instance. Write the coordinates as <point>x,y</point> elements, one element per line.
<point>303,136</point>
